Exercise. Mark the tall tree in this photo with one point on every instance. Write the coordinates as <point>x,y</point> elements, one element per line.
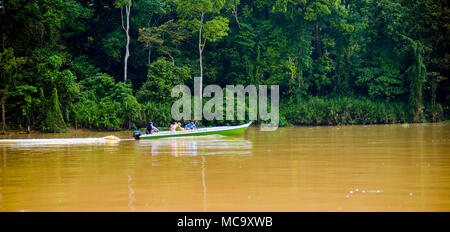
<point>416,73</point>
<point>168,36</point>
<point>9,66</point>
<point>232,5</point>
<point>150,36</point>
<point>317,11</point>
<point>148,14</point>
<point>200,16</point>
<point>127,5</point>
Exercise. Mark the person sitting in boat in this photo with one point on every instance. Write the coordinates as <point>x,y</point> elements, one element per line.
<point>179,128</point>
<point>190,126</point>
<point>173,126</point>
<point>150,128</point>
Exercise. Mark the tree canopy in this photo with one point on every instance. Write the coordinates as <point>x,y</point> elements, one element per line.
<point>63,63</point>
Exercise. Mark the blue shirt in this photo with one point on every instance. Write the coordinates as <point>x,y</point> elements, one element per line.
<point>190,126</point>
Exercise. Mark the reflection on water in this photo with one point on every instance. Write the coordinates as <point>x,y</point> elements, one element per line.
<point>131,195</point>
<point>343,168</point>
<point>206,145</point>
<point>204,184</point>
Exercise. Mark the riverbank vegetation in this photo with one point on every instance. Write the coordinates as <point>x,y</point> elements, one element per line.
<point>111,64</point>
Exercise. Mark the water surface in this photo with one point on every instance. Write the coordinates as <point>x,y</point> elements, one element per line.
<point>345,168</point>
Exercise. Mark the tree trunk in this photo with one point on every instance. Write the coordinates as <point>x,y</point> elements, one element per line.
<point>318,47</point>
<point>200,50</point>
<point>171,57</point>
<point>127,29</point>
<point>434,113</point>
<point>28,123</point>
<point>234,11</point>
<point>149,61</point>
<point>300,78</point>
<point>433,91</point>
<point>127,53</point>
<point>3,100</point>
<point>300,69</point>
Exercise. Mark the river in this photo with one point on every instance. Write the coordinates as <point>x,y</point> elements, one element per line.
<point>333,168</point>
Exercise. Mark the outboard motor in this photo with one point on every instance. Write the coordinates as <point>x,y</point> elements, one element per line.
<point>136,134</point>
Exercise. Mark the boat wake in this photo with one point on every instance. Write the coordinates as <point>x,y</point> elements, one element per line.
<point>59,141</point>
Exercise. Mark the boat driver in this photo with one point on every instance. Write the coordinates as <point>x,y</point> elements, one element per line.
<point>150,128</point>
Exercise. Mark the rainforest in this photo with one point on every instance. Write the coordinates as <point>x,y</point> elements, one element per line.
<point>111,65</point>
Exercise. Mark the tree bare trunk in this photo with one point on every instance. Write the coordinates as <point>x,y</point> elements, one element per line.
<point>171,57</point>
<point>127,29</point>
<point>149,53</point>
<point>3,100</point>
<point>28,123</point>
<point>234,11</point>
<point>318,47</point>
<point>200,50</point>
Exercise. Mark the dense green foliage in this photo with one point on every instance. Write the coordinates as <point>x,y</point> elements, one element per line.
<point>344,110</point>
<point>63,62</point>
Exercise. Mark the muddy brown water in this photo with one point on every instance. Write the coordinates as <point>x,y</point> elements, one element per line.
<point>343,168</point>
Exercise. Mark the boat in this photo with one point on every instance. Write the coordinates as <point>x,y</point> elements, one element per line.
<point>221,130</point>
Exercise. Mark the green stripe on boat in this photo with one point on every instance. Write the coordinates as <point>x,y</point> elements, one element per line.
<point>221,130</point>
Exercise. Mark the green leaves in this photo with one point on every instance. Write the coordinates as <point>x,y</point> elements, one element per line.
<point>113,45</point>
<point>54,62</point>
<point>52,18</point>
<point>75,17</point>
<point>163,76</point>
<point>51,115</point>
<point>166,37</point>
<point>23,97</point>
<point>216,28</point>
<point>106,104</point>
<point>83,68</point>
<point>195,14</point>
<point>319,8</point>
<point>122,3</point>
<point>150,36</point>
<point>246,37</point>
<point>192,9</point>
<point>9,66</point>
<point>381,83</point>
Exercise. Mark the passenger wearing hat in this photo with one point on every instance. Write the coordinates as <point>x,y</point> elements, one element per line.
<point>178,127</point>
<point>150,128</point>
